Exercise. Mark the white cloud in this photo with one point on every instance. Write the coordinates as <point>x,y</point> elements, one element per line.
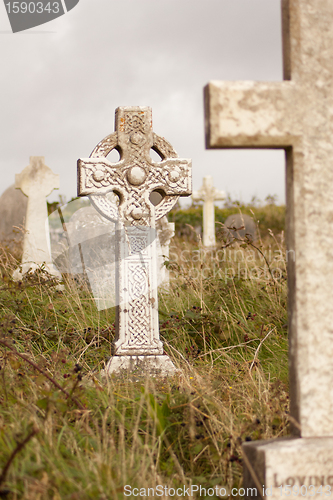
<point>60,89</point>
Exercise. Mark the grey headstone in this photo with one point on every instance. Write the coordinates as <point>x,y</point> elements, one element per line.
<point>239,221</point>
<point>13,208</point>
<point>87,248</point>
<point>134,178</point>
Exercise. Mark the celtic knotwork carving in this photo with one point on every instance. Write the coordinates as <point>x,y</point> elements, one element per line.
<point>138,281</point>
<point>135,175</point>
<point>163,147</point>
<point>165,207</point>
<point>133,179</point>
<point>137,244</point>
<point>105,146</point>
<point>138,325</point>
<point>139,318</point>
<point>134,122</point>
<point>105,207</point>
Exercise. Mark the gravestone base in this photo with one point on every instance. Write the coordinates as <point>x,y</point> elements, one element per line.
<point>31,267</point>
<point>27,267</point>
<point>290,461</point>
<point>152,365</point>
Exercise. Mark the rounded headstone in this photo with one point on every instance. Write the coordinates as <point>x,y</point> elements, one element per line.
<point>13,208</point>
<point>239,221</point>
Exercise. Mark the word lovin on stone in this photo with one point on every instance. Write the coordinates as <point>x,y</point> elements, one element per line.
<point>316,481</point>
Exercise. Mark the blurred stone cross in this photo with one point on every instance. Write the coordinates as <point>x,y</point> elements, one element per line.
<point>208,194</point>
<point>297,116</point>
<point>36,181</point>
<point>133,179</point>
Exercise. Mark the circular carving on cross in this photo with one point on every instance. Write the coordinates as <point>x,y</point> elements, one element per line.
<point>137,138</point>
<point>137,213</point>
<point>98,175</point>
<point>174,176</point>
<point>136,175</point>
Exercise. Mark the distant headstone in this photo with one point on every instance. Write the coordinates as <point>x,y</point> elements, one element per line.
<point>36,181</point>
<point>85,247</point>
<point>13,208</point>
<point>240,225</point>
<point>208,194</point>
<point>134,178</point>
<point>165,231</point>
<point>296,115</point>
<point>90,253</point>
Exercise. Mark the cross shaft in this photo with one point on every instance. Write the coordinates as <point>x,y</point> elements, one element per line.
<point>133,179</point>
<point>297,115</point>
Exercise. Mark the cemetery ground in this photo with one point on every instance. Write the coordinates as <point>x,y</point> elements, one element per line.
<point>68,433</point>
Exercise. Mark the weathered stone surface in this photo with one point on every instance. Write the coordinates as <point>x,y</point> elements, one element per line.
<point>208,194</point>
<point>291,461</point>
<point>133,179</point>
<point>244,224</point>
<point>92,252</point>
<point>86,247</point>
<point>13,208</point>
<point>36,181</point>
<point>165,231</point>
<point>152,365</point>
<point>297,115</point>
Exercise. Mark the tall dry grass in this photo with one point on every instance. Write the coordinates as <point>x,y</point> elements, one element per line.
<point>68,433</point>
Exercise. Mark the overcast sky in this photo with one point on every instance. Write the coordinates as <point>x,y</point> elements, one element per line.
<point>62,81</point>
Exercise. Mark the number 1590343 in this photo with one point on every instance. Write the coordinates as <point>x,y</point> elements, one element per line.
<point>32,7</point>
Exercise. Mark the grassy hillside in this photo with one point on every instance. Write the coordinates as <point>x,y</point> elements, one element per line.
<point>68,433</point>
<point>268,217</point>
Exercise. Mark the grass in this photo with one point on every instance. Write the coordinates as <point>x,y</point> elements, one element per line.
<point>67,433</point>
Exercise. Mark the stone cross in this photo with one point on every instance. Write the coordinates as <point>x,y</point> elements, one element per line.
<point>296,115</point>
<point>133,179</point>
<point>36,181</point>
<point>208,194</point>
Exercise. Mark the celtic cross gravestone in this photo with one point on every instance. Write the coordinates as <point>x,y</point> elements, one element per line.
<point>133,179</point>
<point>296,115</point>
<point>36,181</point>
<point>208,194</point>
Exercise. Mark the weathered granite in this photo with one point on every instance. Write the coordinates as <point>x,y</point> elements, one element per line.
<point>290,461</point>
<point>165,231</point>
<point>36,181</point>
<point>141,365</point>
<point>208,194</point>
<point>239,221</point>
<point>13,209</point>
<point>133,179</point>
<point>297,115</point>
<point>92,253</point>
<point>84,247</point>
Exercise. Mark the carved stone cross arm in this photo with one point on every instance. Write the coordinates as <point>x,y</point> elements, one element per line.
<point>133,178</point>
<point>252,114</point>
<point>297,115</point>
<point>136,175</point>
<point>208,192</point>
